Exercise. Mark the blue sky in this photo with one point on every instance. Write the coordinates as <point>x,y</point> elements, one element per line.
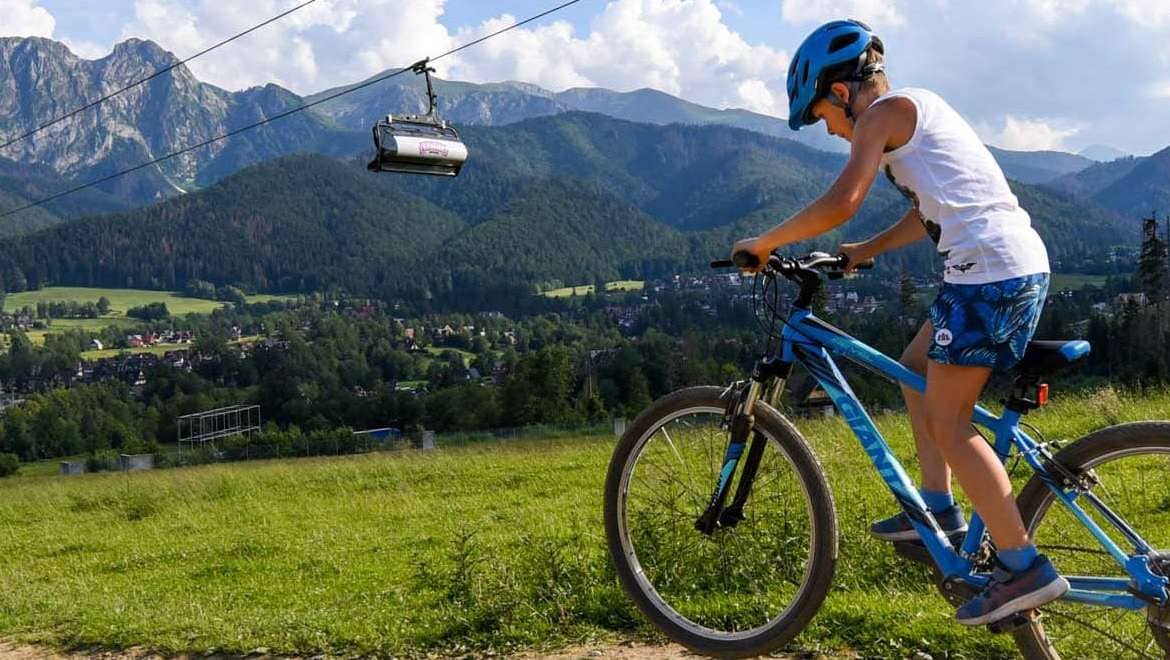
<point>1028,74</point>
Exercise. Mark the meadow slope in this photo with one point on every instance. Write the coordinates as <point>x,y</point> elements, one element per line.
<point>493,547</point>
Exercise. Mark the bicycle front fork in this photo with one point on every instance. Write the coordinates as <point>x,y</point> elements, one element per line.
<point>768,378</point>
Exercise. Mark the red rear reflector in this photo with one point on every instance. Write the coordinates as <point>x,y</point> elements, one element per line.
<point>1042,394</point>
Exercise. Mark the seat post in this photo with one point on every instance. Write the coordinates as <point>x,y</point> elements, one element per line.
<point>1028,394</point>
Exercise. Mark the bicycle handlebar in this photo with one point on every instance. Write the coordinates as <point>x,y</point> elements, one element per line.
<point>787,265</point>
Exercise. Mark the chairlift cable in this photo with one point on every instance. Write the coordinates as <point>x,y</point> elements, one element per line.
<point>280,115</point>
<point>87,106</point>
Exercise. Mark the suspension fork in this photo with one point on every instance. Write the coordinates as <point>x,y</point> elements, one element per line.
<point>768,378</point>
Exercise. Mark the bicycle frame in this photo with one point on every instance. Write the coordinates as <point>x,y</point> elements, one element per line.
<point>812,342</point>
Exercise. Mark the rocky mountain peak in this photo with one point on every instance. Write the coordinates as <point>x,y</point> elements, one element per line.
<point>41,80</point>
<point>143,50</point>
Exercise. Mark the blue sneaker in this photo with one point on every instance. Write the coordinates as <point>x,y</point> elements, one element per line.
<point>898,528</point>
<point>1008,593</point>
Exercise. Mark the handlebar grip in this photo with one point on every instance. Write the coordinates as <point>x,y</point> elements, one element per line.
<point>722,263</point>
<point>745,259</point>
<point>864,265</point>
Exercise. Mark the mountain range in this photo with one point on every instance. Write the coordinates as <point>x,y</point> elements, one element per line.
<point>568,198</point>
<point>551,194</point>
<point>41,79</point>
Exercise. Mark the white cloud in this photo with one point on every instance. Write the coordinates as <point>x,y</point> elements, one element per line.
<point>876,13</point>
<point>1054,11</point>
<point>25,18</point>
<point>681,47</point>
<point>1027,59</point>
<point>1150,13</point>
<point>86,49</point>
<point>1028,134</point>
<point>274,53</point>
<point>1159,90</point>
<point>324,44</point>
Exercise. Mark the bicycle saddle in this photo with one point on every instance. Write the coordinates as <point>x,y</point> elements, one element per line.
<point>1046,357</point>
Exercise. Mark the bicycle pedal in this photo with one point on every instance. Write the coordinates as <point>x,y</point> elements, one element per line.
<point>1013,622</point>
<point>916,551</point>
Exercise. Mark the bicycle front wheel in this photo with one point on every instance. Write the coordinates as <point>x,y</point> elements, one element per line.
<point>1131,465</point>
<point>746,589</point>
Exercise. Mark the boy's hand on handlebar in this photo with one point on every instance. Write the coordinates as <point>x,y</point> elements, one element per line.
<point>755,247</point>
<point>856,252</point>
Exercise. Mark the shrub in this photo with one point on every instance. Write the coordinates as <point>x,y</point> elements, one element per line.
<point>9,464</point>
<point>150,312</point>
<point>102,460</point>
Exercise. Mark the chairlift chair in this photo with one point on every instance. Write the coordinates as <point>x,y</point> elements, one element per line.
<point>418,144</point>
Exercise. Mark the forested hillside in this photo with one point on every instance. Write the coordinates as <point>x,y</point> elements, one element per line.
<point>570,198</point>
<point>1145,189</point>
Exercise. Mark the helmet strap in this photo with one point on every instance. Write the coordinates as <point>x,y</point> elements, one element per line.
<point>846,107</point>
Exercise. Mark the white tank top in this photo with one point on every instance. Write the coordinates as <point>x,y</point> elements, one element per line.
<point>959,189</point>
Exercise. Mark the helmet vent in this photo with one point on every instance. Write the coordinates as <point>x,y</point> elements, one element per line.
<point>804,74</point>
<point>842,41</point>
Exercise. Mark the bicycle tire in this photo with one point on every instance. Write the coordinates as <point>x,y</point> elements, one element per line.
<point>1092,451</point>
<point>823,523</point>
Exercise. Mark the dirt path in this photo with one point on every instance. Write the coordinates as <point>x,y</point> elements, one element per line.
<point>601,651</point>
<point>625,651</point>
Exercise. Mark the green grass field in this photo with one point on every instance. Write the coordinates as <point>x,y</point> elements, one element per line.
<point>437,351</point>
<point>619,285</point>
<point>491,547</point>
<point>1075,281</point>
<point>94,325</point>
<point>158,349</point>
<point>120,301</point>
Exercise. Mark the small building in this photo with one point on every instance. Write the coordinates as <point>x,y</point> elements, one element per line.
<point>70,468</point>
<point>809,398</point>
<point>135,462</point>
<point>1123,299</point>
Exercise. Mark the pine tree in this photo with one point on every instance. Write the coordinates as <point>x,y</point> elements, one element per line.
<point>1154,262</point>
<point>908,296</point>
<point>820,303</point>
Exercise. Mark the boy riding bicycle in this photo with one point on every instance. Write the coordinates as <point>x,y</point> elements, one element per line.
<point>994,283</point>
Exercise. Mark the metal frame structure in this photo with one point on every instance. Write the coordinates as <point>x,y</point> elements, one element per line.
<point>198,429</point>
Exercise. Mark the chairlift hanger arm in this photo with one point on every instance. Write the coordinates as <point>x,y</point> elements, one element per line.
<point>423,67</point>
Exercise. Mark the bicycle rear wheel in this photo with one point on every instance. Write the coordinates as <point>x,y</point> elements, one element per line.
<point>1132,464</point>
<point>747,589</point>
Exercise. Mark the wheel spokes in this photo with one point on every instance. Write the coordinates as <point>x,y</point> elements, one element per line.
<point>742,577</point>
<point>1124,484</point>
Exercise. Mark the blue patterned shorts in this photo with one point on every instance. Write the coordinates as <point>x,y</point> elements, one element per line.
<point>986,325</point>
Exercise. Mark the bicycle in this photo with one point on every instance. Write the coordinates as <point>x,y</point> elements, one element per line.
<point>742,577</point>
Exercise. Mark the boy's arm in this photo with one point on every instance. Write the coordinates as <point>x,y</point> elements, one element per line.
<point>844,197</point>
<point>904,232</point>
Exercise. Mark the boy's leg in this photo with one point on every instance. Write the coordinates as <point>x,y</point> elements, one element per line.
<point>936,475</point>
<point>951,393</point>
<point>1027,580</point>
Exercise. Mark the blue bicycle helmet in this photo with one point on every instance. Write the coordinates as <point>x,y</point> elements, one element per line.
<point>830,45</point>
